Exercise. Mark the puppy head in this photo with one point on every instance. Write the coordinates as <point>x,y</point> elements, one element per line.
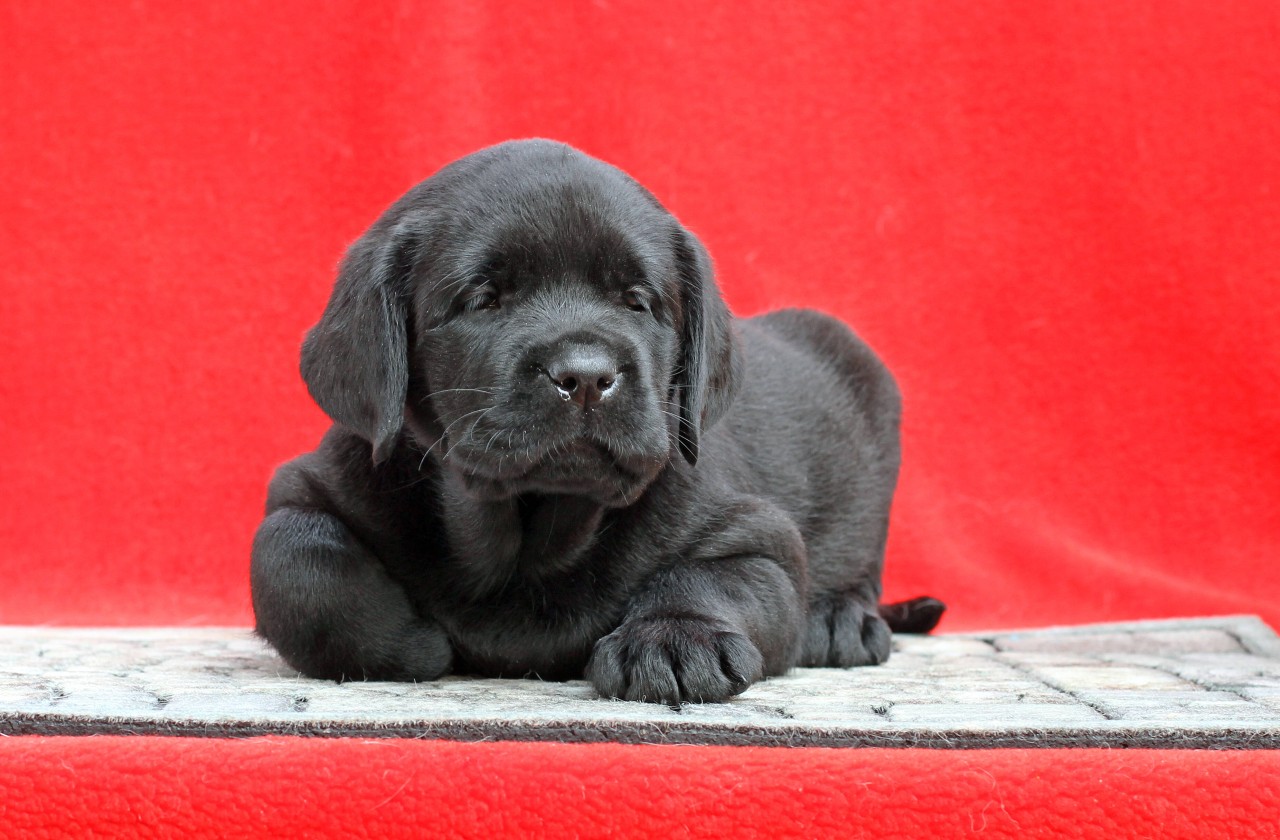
<point>537,319</point>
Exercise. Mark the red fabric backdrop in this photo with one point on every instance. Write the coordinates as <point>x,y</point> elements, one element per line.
<point>1059,222</point>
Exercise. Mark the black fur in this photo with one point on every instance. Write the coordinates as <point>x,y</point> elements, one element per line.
<point>556,453</point>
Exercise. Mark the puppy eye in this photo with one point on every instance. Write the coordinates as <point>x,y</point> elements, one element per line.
<point>636,300</point>
<point>480,299</point>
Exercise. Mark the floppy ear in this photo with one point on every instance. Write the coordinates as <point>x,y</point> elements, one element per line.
<point>355,361</point>
<point>707,377</point>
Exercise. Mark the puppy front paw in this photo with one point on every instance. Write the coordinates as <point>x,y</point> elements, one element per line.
<point>673,660</point>
<point>417,651</point>
<point>423,654</point>
<point>843,632</point>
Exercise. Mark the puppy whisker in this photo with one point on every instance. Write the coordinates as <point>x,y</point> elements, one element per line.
<point>459,391</point>
<point>468,433</point>
<point>444,434</point>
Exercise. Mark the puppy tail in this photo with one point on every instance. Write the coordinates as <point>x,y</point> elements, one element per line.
<point>918,615</point>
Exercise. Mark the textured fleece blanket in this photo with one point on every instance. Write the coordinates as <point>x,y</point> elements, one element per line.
<point>292,787</point>
<point>1213,684</point>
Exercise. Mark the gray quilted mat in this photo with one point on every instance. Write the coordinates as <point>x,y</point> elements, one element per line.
<point>1203,683</point>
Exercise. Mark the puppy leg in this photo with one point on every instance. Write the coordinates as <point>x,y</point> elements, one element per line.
<point>331,610</point>
<point>845,629</point>
<point>706,629</point>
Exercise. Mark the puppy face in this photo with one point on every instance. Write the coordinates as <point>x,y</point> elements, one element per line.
<point>540,322</point>
<point>546,350</point>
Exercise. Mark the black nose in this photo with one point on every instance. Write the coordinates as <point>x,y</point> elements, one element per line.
<point>584,375</point>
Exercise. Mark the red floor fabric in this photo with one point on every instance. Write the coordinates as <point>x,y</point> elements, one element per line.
<point>176,787</point>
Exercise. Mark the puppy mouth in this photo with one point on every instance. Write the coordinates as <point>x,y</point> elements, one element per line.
<point>576,467</point>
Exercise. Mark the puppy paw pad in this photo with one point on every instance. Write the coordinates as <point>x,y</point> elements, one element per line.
<point>674,660</point>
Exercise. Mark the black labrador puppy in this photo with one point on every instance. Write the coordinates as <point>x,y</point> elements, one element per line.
<point>556,454</point>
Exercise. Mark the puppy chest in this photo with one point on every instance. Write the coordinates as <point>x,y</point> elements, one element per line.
<point>525,627</point>
<point>520,646</point>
